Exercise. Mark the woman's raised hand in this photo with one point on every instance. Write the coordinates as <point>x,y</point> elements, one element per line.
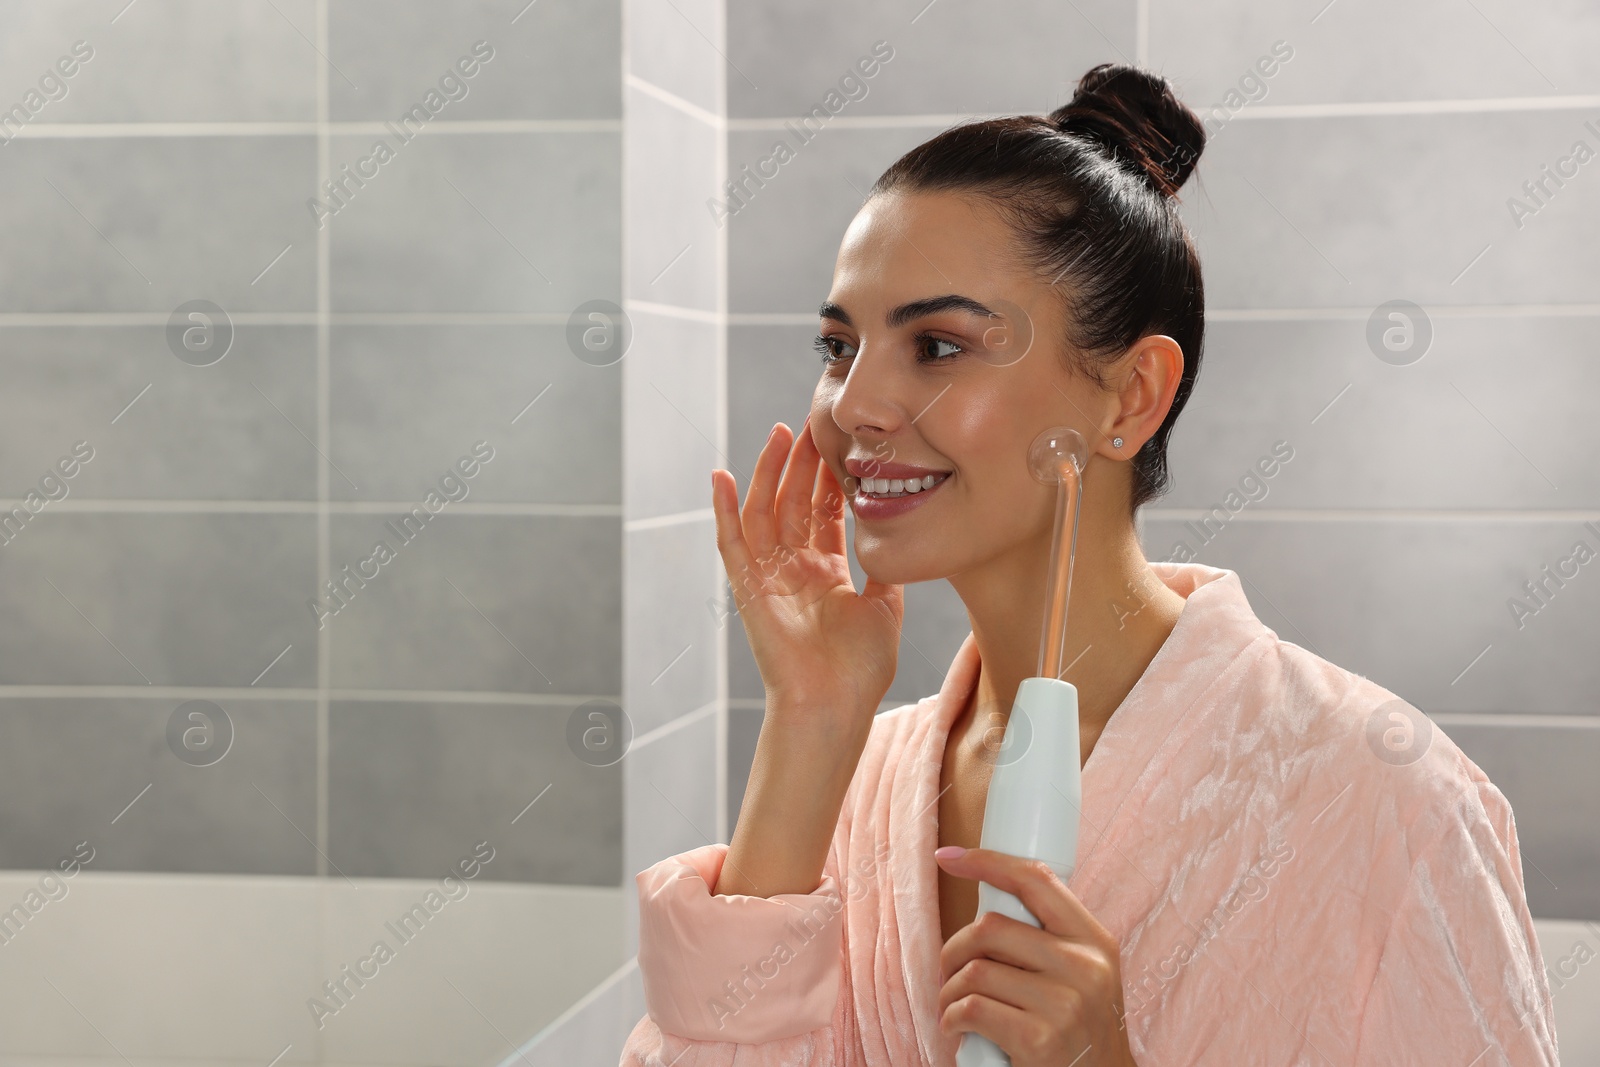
<point>821,647</point>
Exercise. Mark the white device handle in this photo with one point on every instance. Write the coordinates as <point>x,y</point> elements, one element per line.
<point>1034,797</point>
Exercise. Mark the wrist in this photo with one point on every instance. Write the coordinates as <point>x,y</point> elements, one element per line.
<point>830,718</point>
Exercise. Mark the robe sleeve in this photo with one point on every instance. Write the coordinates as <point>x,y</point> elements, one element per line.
<point>760,979</point>
<point>1461,977</point>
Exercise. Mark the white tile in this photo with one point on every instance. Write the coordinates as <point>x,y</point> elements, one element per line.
<point>187,969</point>
<point>1574,975</point>
<point>672,235</point>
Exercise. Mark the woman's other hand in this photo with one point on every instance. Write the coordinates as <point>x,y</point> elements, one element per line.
<point>1048,997</point>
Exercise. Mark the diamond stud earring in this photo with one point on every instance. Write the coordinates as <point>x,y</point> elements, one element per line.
<point>1116,442</point>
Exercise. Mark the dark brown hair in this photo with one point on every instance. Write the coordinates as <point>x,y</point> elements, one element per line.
<point>1090,190</point>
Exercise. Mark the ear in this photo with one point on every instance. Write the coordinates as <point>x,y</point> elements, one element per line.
<point>1147,378</point>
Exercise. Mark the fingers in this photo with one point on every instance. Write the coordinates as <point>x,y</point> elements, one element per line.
<point>731,544</point>
<point>1001,938</point>
<point>1036,885</point>
<point>797,489</point>
<point>999,1022</point>
<point>827,511</point>
<point>760,527</point>
<point>1013,986</point>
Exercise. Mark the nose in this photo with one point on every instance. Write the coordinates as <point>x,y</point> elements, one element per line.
<point>871,401</point>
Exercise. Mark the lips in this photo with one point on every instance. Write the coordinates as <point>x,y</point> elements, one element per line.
<point>880,469</point>
<point>883,490</point>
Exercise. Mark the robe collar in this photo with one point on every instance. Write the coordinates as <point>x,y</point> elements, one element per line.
<point>1214,629</point>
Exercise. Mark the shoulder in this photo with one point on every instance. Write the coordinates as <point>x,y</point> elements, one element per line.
<point>1356,762</point>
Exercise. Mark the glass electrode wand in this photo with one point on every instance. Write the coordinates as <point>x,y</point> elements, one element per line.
<point>1036,788</point>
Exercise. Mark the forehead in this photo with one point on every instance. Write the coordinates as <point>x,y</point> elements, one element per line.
<point>904,246</point>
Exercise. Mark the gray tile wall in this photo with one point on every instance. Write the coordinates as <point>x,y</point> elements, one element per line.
<point>368,357</point>
<point>674,433</point>
<point>1420,497</point>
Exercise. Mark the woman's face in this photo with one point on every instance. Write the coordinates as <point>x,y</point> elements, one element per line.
<point>919,382</point>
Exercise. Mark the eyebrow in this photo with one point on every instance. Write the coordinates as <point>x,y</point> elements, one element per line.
<point>916,309</point>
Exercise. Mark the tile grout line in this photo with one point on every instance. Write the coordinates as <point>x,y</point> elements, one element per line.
<point>324,433</point>
<point>107,319</point>
<point>324,436</point>
<point>273,694</point>
<point>768,123</point>
<point>53,131</point>
<point>207,506</point>
<point>1150,512</point>
<point>719,748</point>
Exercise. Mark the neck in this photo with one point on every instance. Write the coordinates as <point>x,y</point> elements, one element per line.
<point>1118,615</point>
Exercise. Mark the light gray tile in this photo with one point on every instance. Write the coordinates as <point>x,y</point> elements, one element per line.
<point>672,419</point>
<point>413,787</point>
<point>772,374</point>
<point>78,770</point>
<point>669,194</point>
<point>125,599</point>
<point>669,805</point>
<point>1495,435</point>
<point>935,625</point>
<point>169,61</point>
<point>477,222</point>
<point>229,431</point>
<point>474,602</point>
<point>792,55</point>
<point>545,61</point>
<point>1421,607</point>
<point>669,796</point>
<point>1365,50</point>
<point>1354,212</point>
<point>678,46</point>
<point>185,218</point>
<point>1547,773</point>
<point>670,631</point>
<point>409,401</point>
<point>776,264</point>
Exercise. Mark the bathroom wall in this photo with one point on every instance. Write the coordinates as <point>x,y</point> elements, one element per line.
<point>266,773</point>
<point>550,665</point>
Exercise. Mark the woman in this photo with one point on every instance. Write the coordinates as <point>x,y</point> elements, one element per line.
<point>1280,861</point>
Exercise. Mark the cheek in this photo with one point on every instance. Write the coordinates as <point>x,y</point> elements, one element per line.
<point>983,430</point>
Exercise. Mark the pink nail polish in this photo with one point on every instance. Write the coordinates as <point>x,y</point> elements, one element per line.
<point>949,852</point>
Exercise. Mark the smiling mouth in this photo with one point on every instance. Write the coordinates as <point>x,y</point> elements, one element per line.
<point>890,488</point>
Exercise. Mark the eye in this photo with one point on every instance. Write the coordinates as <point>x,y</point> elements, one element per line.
<point>824,345</point>
<point>922,342</point>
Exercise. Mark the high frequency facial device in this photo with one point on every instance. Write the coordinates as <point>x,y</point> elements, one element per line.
<point>1036,787</point>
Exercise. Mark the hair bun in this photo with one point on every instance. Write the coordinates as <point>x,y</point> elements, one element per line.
<point>1134,115</point>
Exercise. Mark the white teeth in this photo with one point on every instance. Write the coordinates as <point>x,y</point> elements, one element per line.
<point>900,486</point>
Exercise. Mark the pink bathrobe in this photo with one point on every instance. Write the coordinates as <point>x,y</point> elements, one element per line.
<point>1290,883</point>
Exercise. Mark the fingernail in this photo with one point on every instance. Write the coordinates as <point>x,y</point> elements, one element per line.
<point>949,852</point>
